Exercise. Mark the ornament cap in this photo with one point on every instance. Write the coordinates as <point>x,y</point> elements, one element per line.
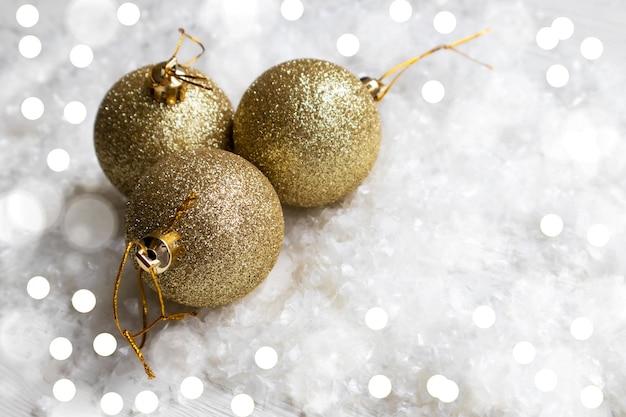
<point>158,251</point>
<point>165,82</point>
<point>375,87</point>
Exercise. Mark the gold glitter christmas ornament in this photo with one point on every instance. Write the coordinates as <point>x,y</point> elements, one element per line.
<point>155,111</point>
<point>313,128</point>
<point>207,227</point>
<point>229,238</point>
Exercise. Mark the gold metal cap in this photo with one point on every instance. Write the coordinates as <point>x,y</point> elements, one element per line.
<point>165,81</point>
<point>375,87</point>
<point>161,250</point>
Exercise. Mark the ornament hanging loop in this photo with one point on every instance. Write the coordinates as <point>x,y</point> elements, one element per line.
<point>168,80</point>
<point>155,254</point>
<point>184,35</point>
<point>378,89</point>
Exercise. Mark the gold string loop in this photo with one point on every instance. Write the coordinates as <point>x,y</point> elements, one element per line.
<point>184,35</point>
<point>186,205</point>
<point>191,79</point>
<point>126,334</point>
<point>379,89</point>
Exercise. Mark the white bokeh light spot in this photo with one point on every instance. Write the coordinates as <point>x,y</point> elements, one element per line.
<point>242,405</point>
<point>75,112</point>
<point>32,108</point>
<point>435,385</point>
<point>93,22</point>
<point>547,39</point>
<point>29,46</point>
<point>440,387</point>
<point>598,235</point>
<point>291,10</point>
<point>591,48</point>
<point>484,317</point>
<point>449,392</point>
<point>581,328</point>
<point>444,22</point>
<point>400,11</point>
<point>128,14</point>
<point>58,160</point>
<point>146,402</point>
<point>557,75</point>
<point>83,301</point>
<point>64,390</point>
<point>563,27</point>
<point>546,380</point>
<point>524,353</point>
<point>266,357</point>
<point>191,387</point>
<point>27,15</point>
<point>591,397</point>
<point>551,225</point>
<point>38,287</point>
<point>81,56</point>
<point>433,91</point>
<point>26,212</point>
<point>43,204</point>
<point>105,344</point>
<point>376,318</point>
<point>90,222</point>
<point>348,44</point>
<point>60,348</point>
<point>379,386</point>
<point>111,403</point>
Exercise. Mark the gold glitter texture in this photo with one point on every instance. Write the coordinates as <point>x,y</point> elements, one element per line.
<point>232,234</point>
<point>312,128</point>
<point>133,130</point>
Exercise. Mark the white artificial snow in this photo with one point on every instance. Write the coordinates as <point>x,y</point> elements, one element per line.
<point>476,272</point>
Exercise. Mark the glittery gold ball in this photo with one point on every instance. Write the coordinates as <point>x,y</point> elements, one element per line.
<point>231,234</point>
<point>312,128</point>
<point>133,130</point>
